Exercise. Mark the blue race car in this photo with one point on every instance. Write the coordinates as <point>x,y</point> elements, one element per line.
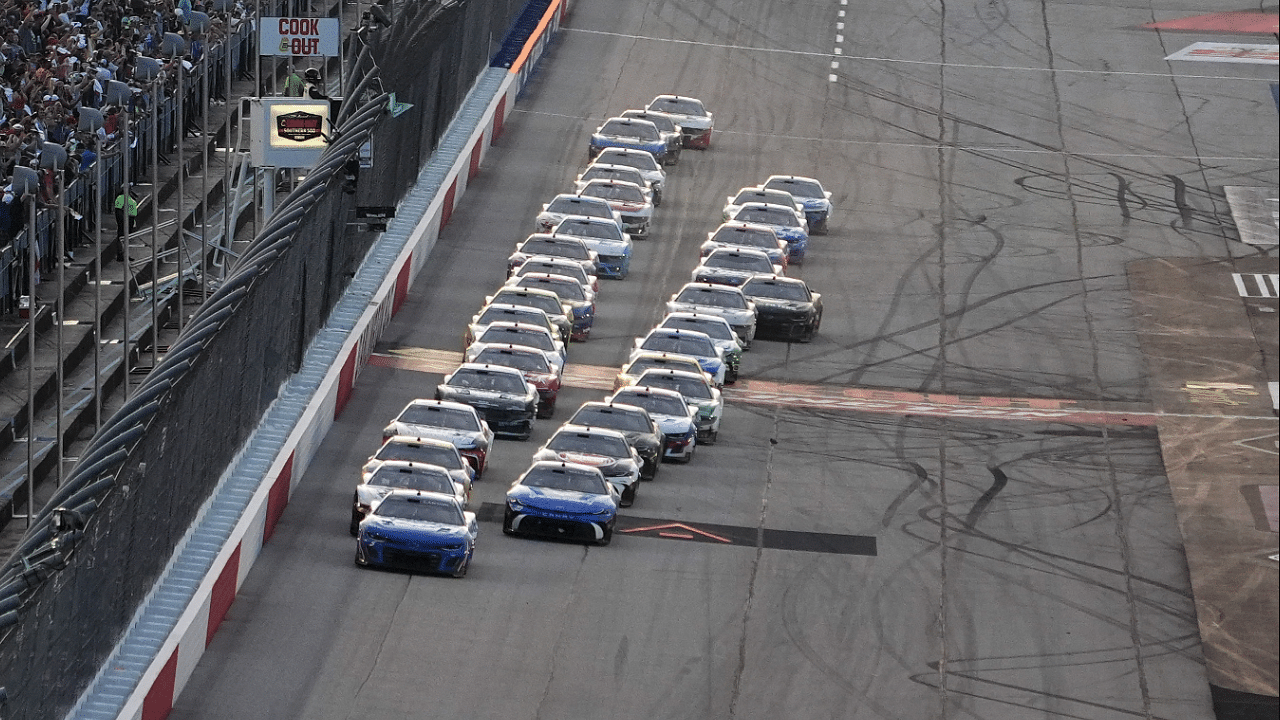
<point>561,500</point>
<point>418,531</point>
<point>630,133</point>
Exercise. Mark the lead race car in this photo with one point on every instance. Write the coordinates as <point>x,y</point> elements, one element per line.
<point>810,194</point>
<point>689,113</point>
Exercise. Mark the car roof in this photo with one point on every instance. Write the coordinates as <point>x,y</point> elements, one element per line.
<point>447,404</point>
<point>590,430</point>
<point>486,367</point>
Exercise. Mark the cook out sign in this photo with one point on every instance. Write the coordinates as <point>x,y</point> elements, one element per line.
<point>304,37</point>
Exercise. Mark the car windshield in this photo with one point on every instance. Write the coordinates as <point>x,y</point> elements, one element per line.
<point>696,346</point>
<point>746,237</point>
<point>518,336</point>
<point>735,261</point>
<point>565,288</point>
<point>663,124</point>
<point>769,196</point>
<point>503,382</point>
<point>420,509</point>
<point>532,362</point>
<point>610,418</point>
<point>615,191</point>
<point>588,443</point>
<point>639,365</point>
<point>711,297</point>
<point>587,207</point>
<point>548,305</point>
<point>556,248</point>
<point>687,387</point>
<point>595,172</point>
<point>493,315</point>
<point>583,228</point>
<point>716,330</point>
<point>767,216</point>
<point>655,404</point>
<point>779,290</point>
<point>638,160</point>
<point>445,456</point>
<point>573,270</point>
<point>442,417</point>
<point>623,128</point>
<point>425,479</point>
<point>798,188</point>
<point>678,106</point>
<point>562,478</point>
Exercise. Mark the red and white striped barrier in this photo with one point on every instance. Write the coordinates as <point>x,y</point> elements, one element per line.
<point>172,667</point>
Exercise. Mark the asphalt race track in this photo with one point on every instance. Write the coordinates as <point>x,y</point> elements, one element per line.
<point>921,560</point>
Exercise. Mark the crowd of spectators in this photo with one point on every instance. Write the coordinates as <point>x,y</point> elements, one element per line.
<point>57,58</point>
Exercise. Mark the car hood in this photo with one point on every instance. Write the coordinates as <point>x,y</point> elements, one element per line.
<point>603,246</point>
<point>730,314</point>
<point>673,424</point>
<point>443,533</point>
<point>459,438</point>
<point>778,304</point>
<point>562,500</point>
<point>472,396</point>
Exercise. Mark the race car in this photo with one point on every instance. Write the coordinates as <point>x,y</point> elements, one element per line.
<point>689,113</point>
<point>700,394</point>
<point>642,360</point>
<point>611,245</point>
<point>501,312</point>
<point>548,245</point>
<point>506,401</point>
<point>667,127</point>
<point>747,235</point>
<point>559,266</point>
<point>785,307</point>
<point>565,205</point>
<point>724,300</point>
<point>579,300</point>
<point>809,192</point>
<point>786,222</point>
<point>449,421</point>
<point>392,475</point>
<point>641,432</point>
<point>733,266</point>
<point>716,328</point>
<point>561,500</point>
<point>427,451</point>
<point>758,194</point>
<point>628,199</point>
<point>669,409</point>
<point>548,302</point>
<point>418,531</point>
<point>525,335</point>
<point>642,161</point>
<point>630,134</point>
<point>606,450</point>
<point>685,342</point>
<point>544,377</point>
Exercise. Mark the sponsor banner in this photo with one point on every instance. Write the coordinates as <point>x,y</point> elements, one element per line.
<point>1229,52</point>
<point>299,37</point>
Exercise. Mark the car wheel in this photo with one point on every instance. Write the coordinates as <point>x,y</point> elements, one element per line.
<point>461,572</point>
<point>689,458</point>
<point>606,538</point>
<point>712,437</point>
<point>528,432</point>
<point>360,560</point>
<point>507,529</point>
<point>657,199</point>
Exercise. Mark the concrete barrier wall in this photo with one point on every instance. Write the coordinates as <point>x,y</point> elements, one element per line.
<point>169,671</point>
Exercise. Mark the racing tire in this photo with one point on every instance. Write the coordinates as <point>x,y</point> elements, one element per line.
<point>628,497</point>
<point>506,524</point>
<point>712,437</point>
<point>461,572</point>
<point>606,538</point>
<point>688,458</point>
<point>528,432</point>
